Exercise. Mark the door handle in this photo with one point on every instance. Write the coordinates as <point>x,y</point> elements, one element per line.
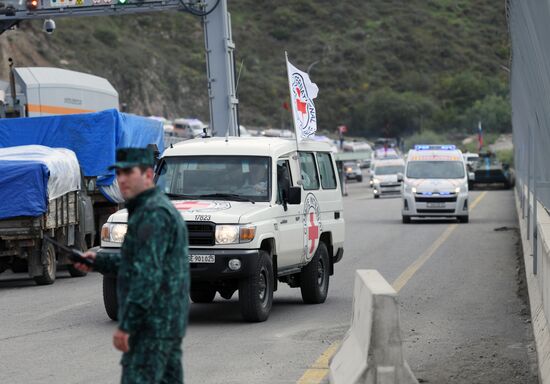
<point>284,221</point>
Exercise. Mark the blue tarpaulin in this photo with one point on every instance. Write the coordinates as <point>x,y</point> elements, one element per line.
<point>94,137</point>
<point>23,188</point>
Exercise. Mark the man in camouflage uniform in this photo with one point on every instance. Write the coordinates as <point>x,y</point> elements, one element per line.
<point>152,276</point>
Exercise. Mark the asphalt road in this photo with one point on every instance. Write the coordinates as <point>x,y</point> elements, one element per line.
<point>464,313</point>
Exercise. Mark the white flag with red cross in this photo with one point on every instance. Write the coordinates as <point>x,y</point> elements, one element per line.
<point>302,93</point>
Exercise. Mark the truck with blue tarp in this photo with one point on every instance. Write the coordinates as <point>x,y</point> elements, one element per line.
<point>54,181</point>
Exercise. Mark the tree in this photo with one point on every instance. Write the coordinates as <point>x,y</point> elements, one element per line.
<point>390,113</point>
<point>493,111</point>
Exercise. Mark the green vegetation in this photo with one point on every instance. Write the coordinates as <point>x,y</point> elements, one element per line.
<point>385,67</point>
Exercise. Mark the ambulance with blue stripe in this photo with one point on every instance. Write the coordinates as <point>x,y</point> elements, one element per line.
<point>435,183</point>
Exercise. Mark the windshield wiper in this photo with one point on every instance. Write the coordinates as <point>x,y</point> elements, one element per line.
<point>228,196</point>
<point>182,196</point>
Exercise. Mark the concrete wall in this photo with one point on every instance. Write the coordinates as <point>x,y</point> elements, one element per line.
<point>536,253</point>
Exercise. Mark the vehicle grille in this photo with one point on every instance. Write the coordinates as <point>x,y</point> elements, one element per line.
<point>390,185</point>
<point>201,233</point>
<point>439,199</point>
<point>494,176</point>
<point>435,210</point>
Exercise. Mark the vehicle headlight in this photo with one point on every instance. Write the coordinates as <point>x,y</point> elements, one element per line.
<point>376,181</point>
<point>410,189</point>
<point>457,190</point>
<point>235,234</point>
<point>114,232</point>
<point>227,234</point>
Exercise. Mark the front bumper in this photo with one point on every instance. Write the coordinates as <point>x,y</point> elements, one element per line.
<point>390,189</point>
<point>219,270</point>
<point>353,176</point>
<point>416,205</point>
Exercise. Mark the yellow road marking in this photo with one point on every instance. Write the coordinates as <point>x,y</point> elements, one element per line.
<point>418,263</point>
<point>319,370</point>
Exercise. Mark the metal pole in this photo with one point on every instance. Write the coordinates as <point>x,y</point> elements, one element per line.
<point>535,204</point>
<point>220,71</point>
<point>529,187</point>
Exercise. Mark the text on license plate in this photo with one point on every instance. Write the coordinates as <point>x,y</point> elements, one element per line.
<point>208,259</point>
<point>436,205</point>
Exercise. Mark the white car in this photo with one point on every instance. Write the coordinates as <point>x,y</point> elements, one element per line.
<point>385,180</point>
<point>258,212</point>
<point>435,183</point>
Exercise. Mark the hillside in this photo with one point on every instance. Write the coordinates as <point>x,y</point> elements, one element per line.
<point>385,66</point>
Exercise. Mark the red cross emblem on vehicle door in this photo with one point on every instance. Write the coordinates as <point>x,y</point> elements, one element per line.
<point>313,232</point>
<point>188,205</point>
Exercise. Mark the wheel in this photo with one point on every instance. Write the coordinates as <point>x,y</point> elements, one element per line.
<point>49,267</point>
<point>406,219</point>
<point>81,246</point>
<point>256,291</point>
<point>463,219</point>
<point>360,179</point>
<point>376,196</point>
<point>203,295</point>
<point>110,300</point>
<point>314,278</point>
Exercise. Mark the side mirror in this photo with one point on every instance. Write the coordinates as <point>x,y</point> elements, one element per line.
<point>294,195</point>
<point>471,176</point>
<point>400,177</point>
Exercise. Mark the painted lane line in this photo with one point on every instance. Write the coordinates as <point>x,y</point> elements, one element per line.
<point>408,273</point>
<point>319,370</point>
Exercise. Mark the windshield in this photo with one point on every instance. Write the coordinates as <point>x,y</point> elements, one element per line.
<point>216,177</point>
<point>389,170</point>
<point>435,170</point>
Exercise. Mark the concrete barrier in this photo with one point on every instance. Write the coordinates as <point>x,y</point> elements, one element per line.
<point>372,350</point>
<point>539,283</point>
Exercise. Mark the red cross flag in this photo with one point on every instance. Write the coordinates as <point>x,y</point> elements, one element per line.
<point>302,93</point>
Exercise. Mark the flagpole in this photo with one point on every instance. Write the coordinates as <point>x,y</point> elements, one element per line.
<point>293,118</point>
<point>291,102</point>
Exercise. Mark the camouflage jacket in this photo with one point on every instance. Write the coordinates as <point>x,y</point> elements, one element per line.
<point>152,268</point>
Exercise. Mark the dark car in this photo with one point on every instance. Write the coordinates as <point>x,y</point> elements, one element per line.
<point>489,170</point>
<point>353,171</point>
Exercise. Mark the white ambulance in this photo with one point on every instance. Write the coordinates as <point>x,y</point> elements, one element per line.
<point>258,212</point>
<point>435,183</point>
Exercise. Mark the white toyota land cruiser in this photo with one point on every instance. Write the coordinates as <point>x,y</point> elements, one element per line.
<point>258,212</point>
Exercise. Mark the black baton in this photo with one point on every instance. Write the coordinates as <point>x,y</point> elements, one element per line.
<point>74,254</point>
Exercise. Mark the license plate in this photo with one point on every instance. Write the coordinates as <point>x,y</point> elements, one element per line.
<point>436,205</point>
<point>205,259</point>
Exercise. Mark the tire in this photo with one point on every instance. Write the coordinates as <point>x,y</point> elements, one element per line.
<point>406,219</point>
<point>256,291</point>
<point>463,219</point>
<point>314,278</point>
<point>376,196</point>
<point>203,295</point>
<point>83,248</point>
<point>110,300</point>
<point>360,179</point>
<point>50,266</point>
